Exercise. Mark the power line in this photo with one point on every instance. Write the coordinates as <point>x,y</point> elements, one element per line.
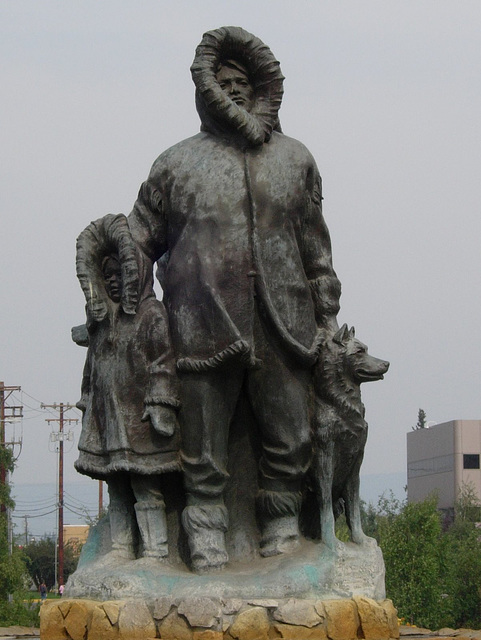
<point>40,515</point>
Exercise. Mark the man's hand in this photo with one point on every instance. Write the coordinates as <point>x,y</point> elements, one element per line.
<point>162,418</point>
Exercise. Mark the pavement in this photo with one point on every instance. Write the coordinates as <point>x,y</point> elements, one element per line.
<point>12,633</point>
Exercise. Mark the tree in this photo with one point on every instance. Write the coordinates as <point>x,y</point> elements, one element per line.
<point>421,423</point>
<point>12,566</point>
<point>462,553</point>
<point>40,556</point>
<point>410,539</point>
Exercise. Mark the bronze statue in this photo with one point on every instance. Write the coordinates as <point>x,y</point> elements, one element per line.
<point>233,218</point>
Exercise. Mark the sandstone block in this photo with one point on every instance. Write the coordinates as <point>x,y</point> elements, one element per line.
<point>231,605</point>
<point>162,606</point>
<point>298,612</point>
<point>288,632</point>
<point>342,619</point>
<point>174,627</point>
<point>227,621</point>
<point>112,609</point>
<point>319,607</point>
<point>77,618</point>
<point>208,634</point>
<point>414,631</point>
<point>101,627</point>
<point>252,624</point>
<point>201,612</point>
<point>135,622</point>
<point>52,622</point>
<point>64,606</point>
<point>392,618</point>
<point>264,602</point>
<point>377,618</point>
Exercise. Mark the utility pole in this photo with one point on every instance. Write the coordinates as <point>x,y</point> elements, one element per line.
<point>60,437</point>
<point>7,414</point>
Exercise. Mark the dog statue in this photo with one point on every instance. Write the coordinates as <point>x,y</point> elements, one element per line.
<point>339,434</point>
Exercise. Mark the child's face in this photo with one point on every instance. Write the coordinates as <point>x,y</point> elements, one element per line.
<point>113,279</point>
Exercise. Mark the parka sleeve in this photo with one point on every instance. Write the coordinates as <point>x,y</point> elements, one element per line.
<point>147,221</point>
<point>163,384</point>
<point>317,255</point>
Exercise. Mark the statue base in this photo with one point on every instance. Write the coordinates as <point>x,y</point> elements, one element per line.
<point>313,571</point>
<point>203,618</point>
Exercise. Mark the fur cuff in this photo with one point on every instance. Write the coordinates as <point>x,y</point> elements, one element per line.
<point>326,291</point>
<point>276,504</point>
<point>196,517</point>
<point>239,349</point>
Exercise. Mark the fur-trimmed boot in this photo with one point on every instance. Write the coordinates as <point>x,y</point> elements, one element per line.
<point>152,523</point>
<point>278,516</point>
<point>205,526</point>
<point>123,534</point>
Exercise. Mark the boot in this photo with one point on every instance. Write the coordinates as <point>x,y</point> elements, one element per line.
<point>122,533</point>
<point>205,526</point>
<point>152,523</point>
<point>279,535</point>
<point>278,515</point>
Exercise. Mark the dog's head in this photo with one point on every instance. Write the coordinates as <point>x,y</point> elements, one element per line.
<point>351,359</point>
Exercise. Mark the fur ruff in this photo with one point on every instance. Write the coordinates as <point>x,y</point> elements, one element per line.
<point>107,235</point>
<point>219,114</point>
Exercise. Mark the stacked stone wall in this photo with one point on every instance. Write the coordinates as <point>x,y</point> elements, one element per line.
<point>202,618</point>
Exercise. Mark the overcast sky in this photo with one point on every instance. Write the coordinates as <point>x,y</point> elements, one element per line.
<point>387,97</point>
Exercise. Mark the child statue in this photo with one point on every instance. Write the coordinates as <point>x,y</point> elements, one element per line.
<point>129,400</point>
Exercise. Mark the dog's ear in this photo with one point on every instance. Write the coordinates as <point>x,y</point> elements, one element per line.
<point>342,335</point>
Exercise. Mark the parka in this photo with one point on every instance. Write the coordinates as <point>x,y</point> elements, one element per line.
<point>235,215</point>
<point>129,366</point>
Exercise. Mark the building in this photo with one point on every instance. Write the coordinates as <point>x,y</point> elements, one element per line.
<point>442,459</point>
<point>75,534</point>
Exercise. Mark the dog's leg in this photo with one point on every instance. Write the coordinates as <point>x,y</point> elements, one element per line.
<point>352,504</point>
<point>325,475</point>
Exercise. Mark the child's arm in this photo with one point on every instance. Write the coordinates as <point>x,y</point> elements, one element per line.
<point>162,395</point>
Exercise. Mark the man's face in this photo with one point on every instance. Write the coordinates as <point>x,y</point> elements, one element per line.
<point>113,279</point>
<point>236,85</point>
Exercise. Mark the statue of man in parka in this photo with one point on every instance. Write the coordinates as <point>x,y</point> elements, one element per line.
<point>234,215</point>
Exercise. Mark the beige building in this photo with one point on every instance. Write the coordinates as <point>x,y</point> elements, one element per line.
<point>442,458</point>
<point>75,534</point>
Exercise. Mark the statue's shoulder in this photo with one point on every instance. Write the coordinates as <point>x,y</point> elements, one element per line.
<point>293,147</point>
<point>177,153</point>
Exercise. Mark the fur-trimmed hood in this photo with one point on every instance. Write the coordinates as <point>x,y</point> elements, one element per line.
<point>100,238</point>
<point>218,113</point>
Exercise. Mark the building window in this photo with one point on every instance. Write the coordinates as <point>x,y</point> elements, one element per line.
<point>471,461</point>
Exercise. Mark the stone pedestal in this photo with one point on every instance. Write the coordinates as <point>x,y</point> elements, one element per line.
<point>313,571</point>
<point>202,618</point>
